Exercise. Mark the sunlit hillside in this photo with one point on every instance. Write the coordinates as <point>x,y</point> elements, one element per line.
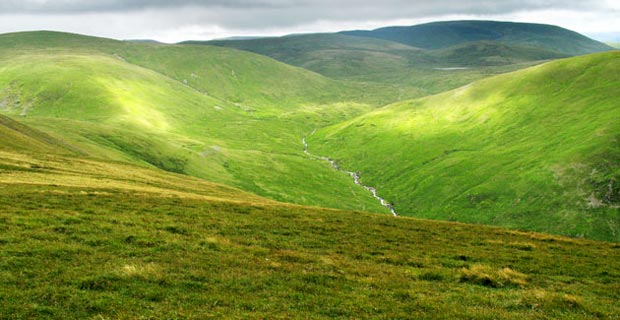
<point>537,149</point>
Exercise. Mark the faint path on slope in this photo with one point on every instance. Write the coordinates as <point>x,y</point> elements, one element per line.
<point>354,175</point>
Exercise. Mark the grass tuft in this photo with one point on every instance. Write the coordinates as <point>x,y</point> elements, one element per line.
<point>148,272</point>
<point>539,299</point>
<point>491,277</point>
<point>432,275</point>
<point>525,246</point>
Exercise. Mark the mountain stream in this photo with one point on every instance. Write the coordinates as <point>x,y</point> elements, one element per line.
<point>354,175</point>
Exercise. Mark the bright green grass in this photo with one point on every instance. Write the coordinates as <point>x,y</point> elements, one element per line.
<point>110,109</point>
<point>252,80</point>
<point>537,149</point>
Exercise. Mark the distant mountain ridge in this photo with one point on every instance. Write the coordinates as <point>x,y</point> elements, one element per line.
<point>151,41</point>
<point>437,35</point>
<point>416,58</point>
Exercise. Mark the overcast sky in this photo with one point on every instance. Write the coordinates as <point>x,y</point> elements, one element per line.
<point>177,20</point>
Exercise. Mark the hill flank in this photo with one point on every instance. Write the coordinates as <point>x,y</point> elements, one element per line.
<point>536,149</point>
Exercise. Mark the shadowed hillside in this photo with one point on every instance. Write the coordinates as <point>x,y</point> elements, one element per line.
<point>415,59</point>
<point>444,34</point>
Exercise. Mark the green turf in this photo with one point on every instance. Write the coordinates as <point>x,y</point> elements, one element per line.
<point>536,149</point>
<point>107,253</point>
<point>231,75</point>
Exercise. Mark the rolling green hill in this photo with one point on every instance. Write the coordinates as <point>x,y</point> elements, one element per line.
<point>537,149</point>
<point>230,75</point>
<point>205,111</point>
<point>445,34</point>
<point>333,55</point>
<point>341,57</point>
<point>87,238</point>
<point>102,97</point>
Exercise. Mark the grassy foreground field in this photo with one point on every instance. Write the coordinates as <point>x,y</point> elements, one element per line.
<point>84,252</point>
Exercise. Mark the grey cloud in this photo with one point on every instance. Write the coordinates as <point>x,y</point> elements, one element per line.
<point>272,14</point>
<point>154,18</point>
<point>326,7</point>
<point>91,6</point>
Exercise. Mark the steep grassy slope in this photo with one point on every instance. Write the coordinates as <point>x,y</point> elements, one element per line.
<point>83,238</point>
<point>450,33</point>
<point>19,137</point>
<point>536,149</point>
<point>31,160</point>
<point>112,109</point>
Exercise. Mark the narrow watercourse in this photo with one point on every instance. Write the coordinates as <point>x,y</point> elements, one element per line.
<point>354,175</point>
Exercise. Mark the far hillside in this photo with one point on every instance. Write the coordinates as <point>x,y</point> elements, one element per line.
<point>424,59</point>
